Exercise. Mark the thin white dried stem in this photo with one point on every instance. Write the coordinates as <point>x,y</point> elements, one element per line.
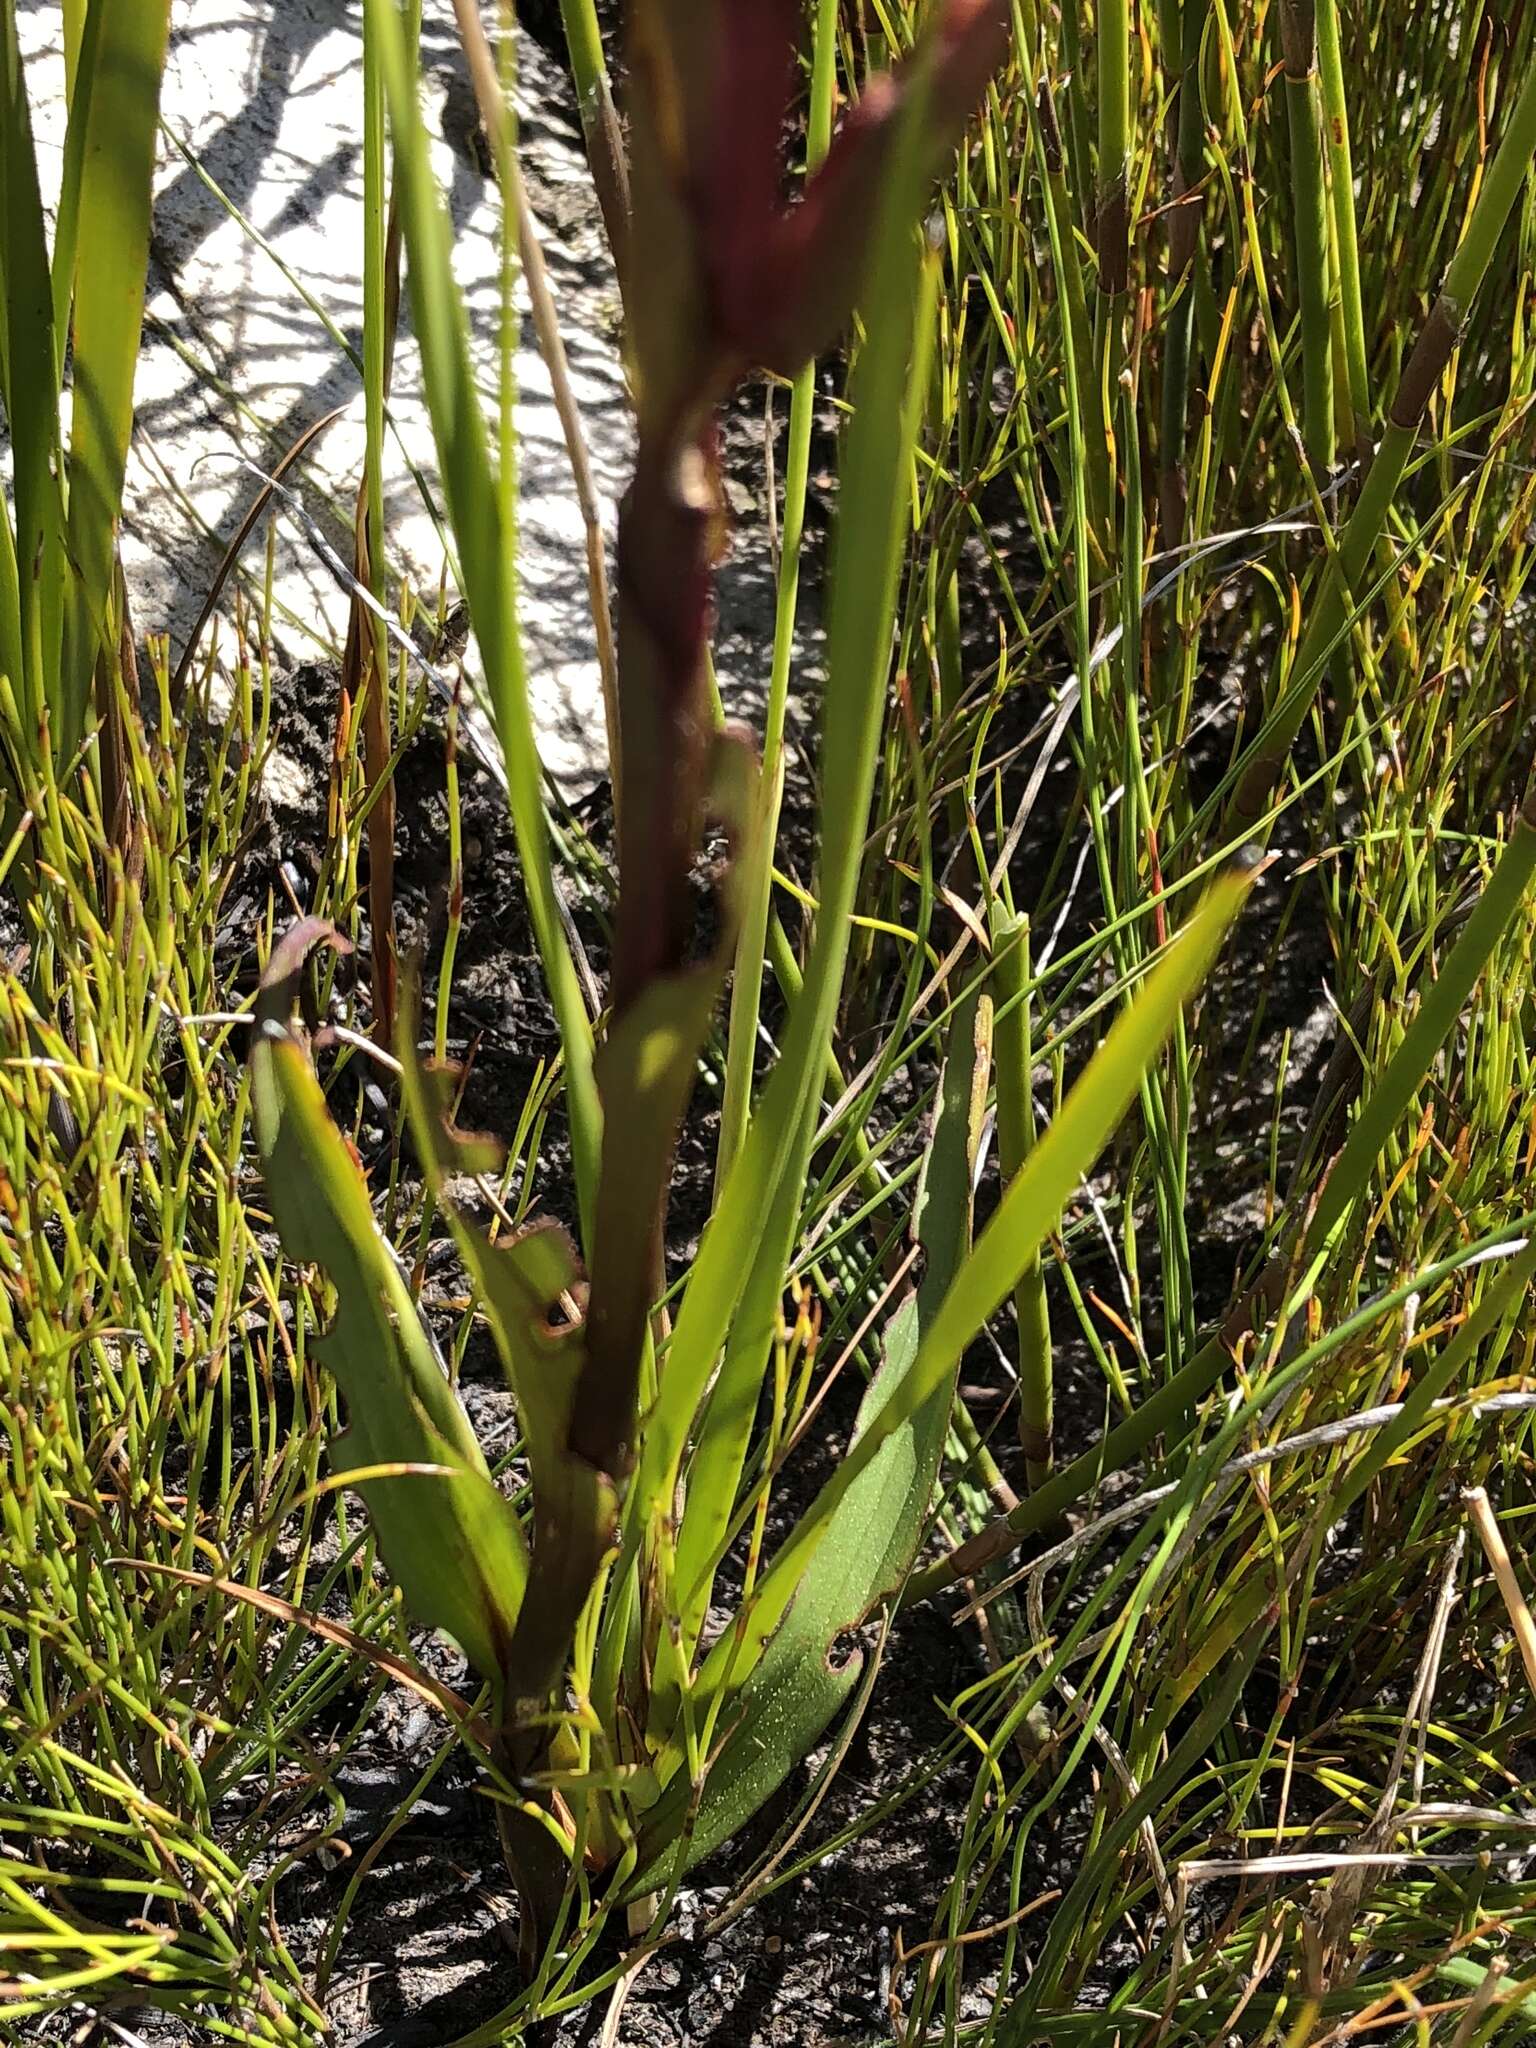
<point>1484,1996</point>
<point>1434,1649</point>
<point>1318,1863</point>
<point>1338,1908</point>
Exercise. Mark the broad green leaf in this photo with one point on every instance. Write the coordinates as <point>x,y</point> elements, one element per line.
<point>450,1539</point>
<point>786,1703</point>
<point>32,619</point>
<point>81,39</point>
<point>1029,1210</point>
<point>798,1685</point>
<point>119,77</point>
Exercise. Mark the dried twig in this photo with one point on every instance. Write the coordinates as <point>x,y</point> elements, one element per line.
<point>1475,1500</point>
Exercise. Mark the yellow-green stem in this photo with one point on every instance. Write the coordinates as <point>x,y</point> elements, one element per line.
<point>1014,1053</point>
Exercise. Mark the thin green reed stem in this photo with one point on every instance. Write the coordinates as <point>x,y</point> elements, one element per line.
<point>366,634</point>
<point>1114,89</point>
<point>375,343</point>
<point>751,947</point>
<point>1341,192</point>
<point>1087,411</point>
<point>1298,43</point>
<point>599,122</point>
<point>1112,231</point>
<point>1166,1127</point>
<point>1183,31</point>
<point>584,45</point>
<point>1087,451</point>
<point>1437,342</point>
<point>1014,1054</point>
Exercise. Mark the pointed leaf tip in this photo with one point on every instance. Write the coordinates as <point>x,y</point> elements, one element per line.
<point>813,273</point>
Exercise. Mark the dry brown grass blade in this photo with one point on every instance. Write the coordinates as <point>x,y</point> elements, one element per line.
<point>365,677</point>
<point>1483,1520</point>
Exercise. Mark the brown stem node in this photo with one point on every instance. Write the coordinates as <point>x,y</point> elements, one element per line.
<point>1426,366</point>
<point>1112,237</point>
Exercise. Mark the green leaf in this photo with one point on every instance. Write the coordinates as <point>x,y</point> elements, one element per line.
<point>1028,1211</point>
<point>798,1685</point>
<point>32,580</point>
<point>121,64</point>
<point>450,1539</point>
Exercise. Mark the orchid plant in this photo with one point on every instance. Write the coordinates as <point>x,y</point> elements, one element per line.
<point>623,1732</point>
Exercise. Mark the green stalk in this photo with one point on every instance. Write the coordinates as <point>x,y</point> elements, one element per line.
<point>1346,247</point>
<point>367,655</point>
<point>1087,413</point>
<point>751,945</point>
<point>1088,473</point>
<point>376,348</point>
<point>1183,34</point>
<point>1298,42</point>
<point>1112,235</point>
<point>1015,1140</point>
<point>1112,239</point>
<point>455,920</point>
<point>599,122</point>
<point>1088,409</point>
<point>1437,343</point>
